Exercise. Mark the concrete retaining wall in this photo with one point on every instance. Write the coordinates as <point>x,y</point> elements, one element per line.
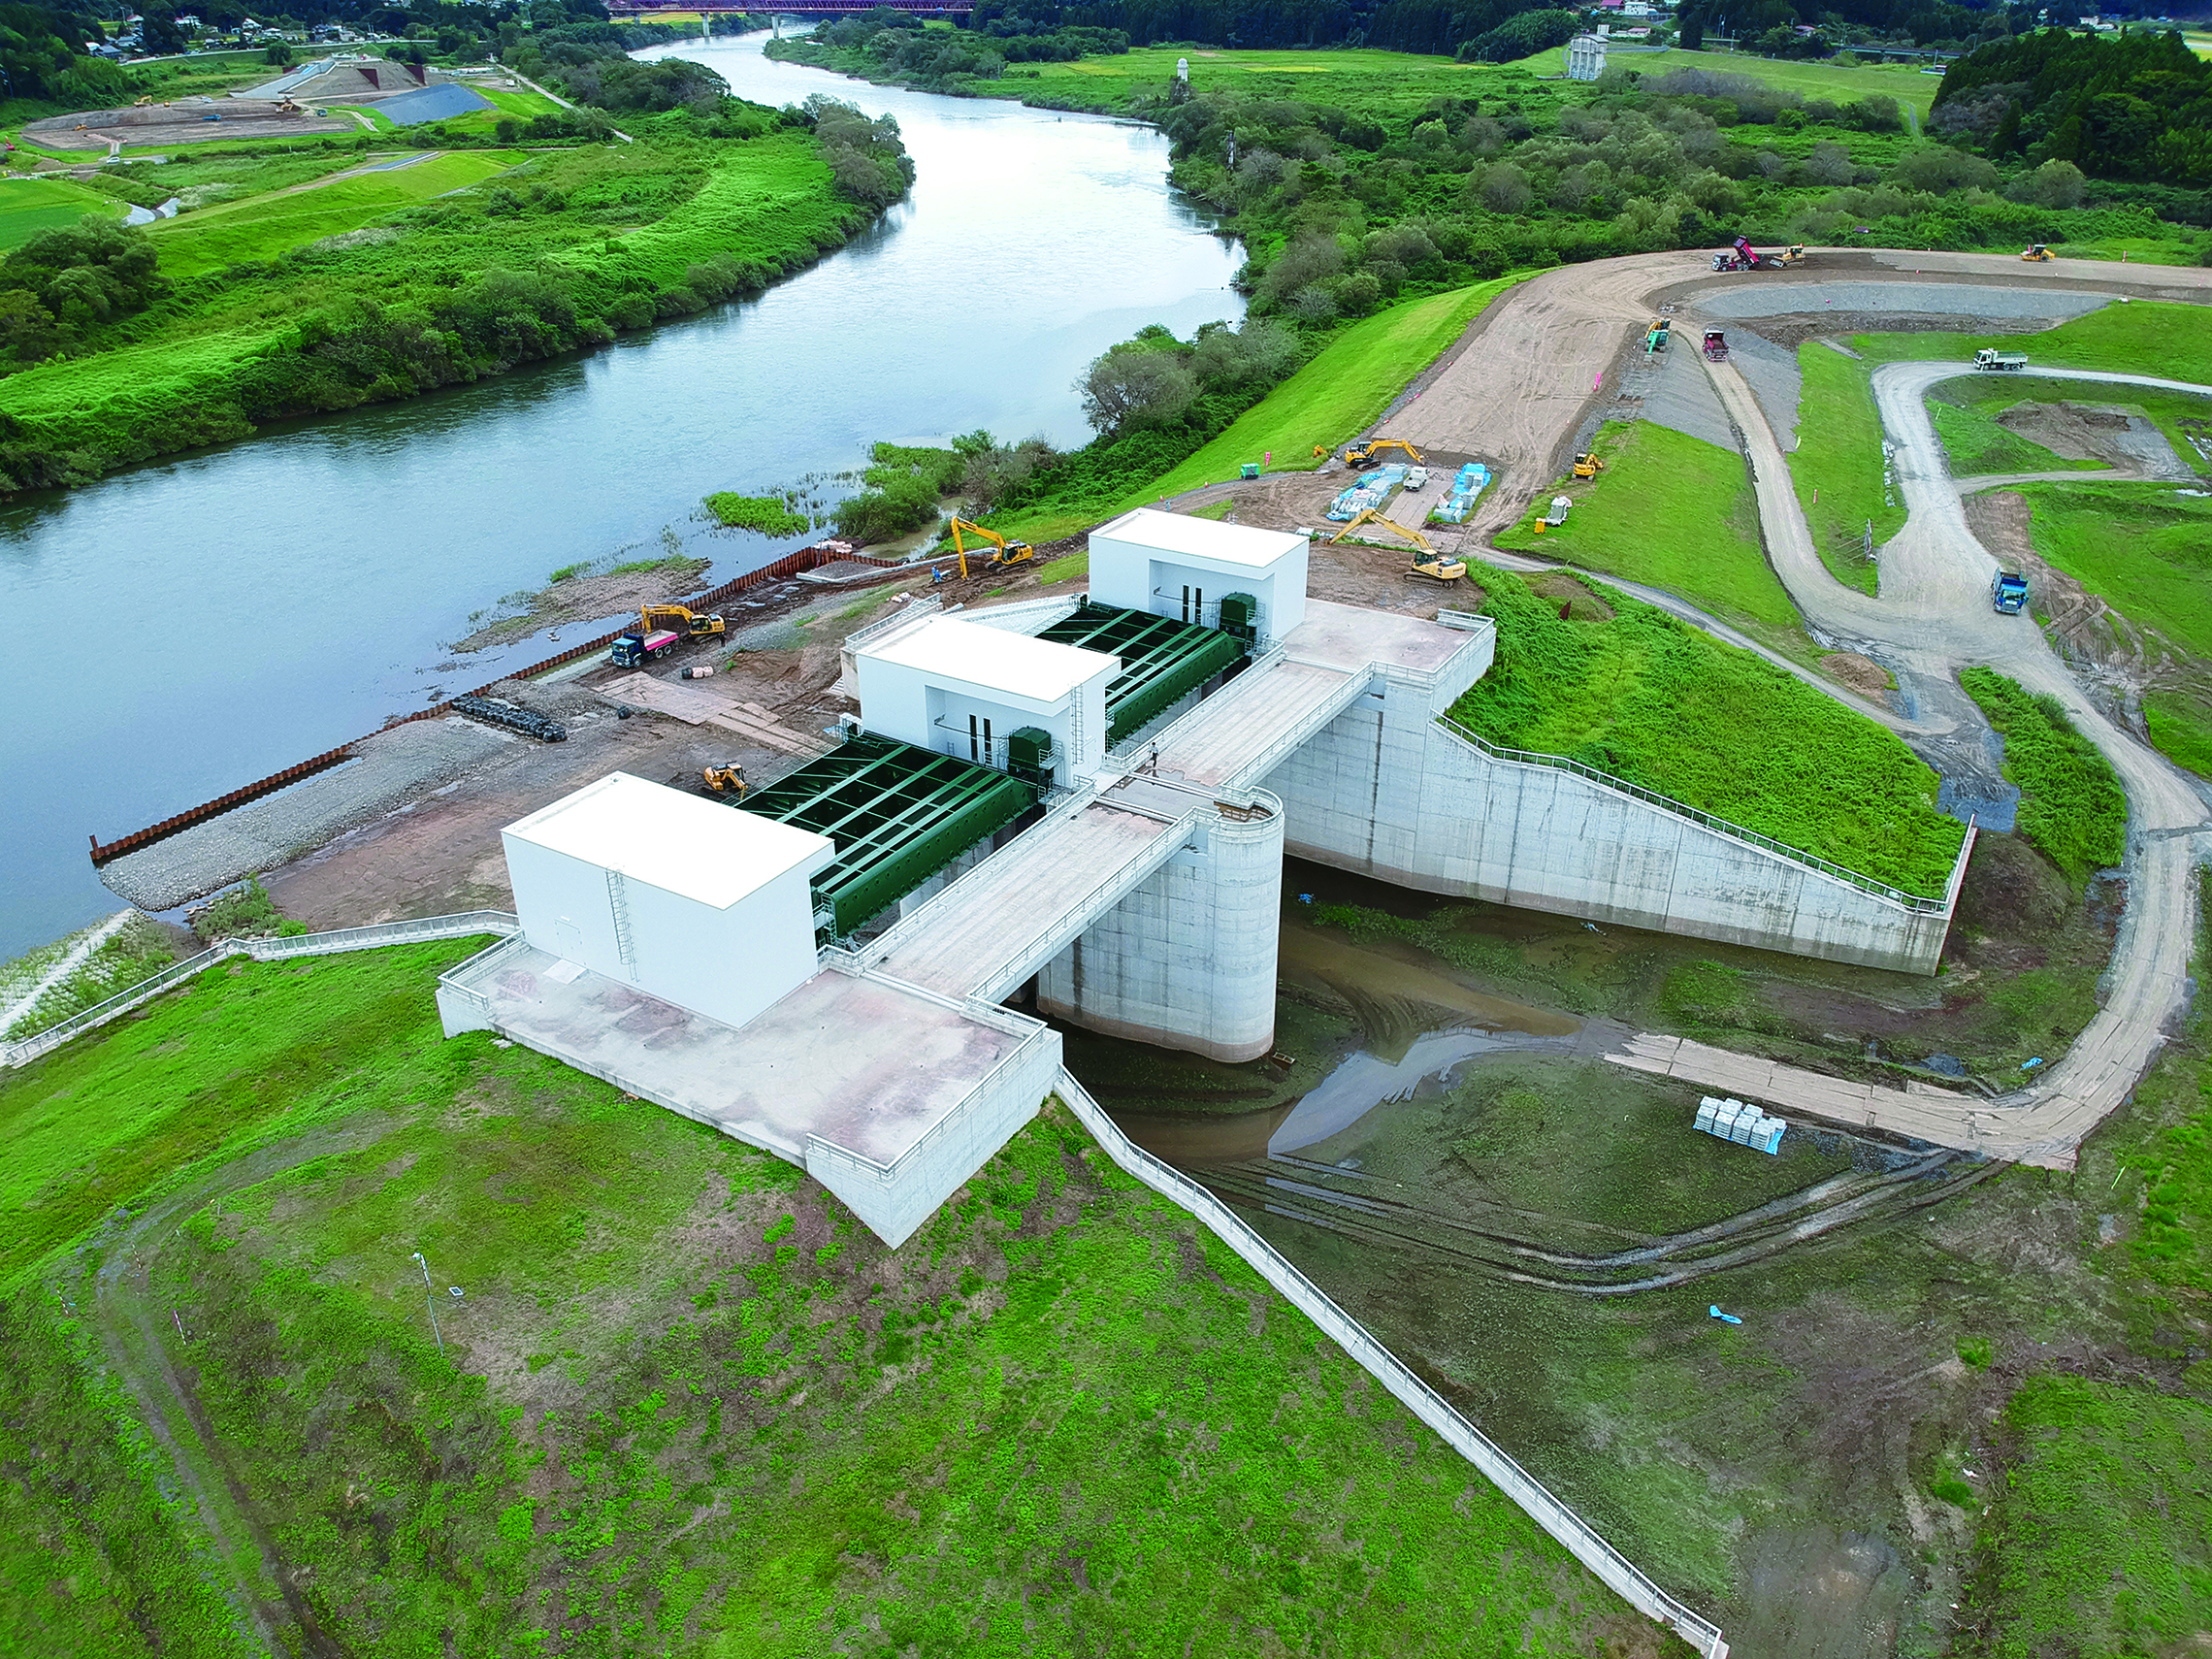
<point>1388,791</point>
<point>1187,960</point>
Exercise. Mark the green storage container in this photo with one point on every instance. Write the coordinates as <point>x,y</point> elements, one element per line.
<point>1240,617</point>
<point>1029,757</point>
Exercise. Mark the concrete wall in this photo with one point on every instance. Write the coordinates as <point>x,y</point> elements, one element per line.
<point>728,964</point>
<point>892,1201</point>
<point>1187,960</point>
<point>1387,792</point>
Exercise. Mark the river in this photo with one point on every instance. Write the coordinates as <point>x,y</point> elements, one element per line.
<point>195,624</point>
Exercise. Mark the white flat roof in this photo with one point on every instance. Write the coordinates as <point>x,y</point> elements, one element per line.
<point>993,659</point>
<point>1203,537</point>
<point>683,845</point>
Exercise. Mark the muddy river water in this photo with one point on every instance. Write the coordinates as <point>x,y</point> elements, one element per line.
<point>190,626</point>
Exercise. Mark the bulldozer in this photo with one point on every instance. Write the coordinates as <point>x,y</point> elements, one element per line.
<point>1427,561</point>
<point>1368,453</point>
<point>728,782</point>
<point>675,619</point>
<point>1003,551</point>
<point>2038,255</point>
<point>1588,466</point>
<point>1794,254</point>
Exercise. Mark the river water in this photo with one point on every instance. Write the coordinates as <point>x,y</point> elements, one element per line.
<point>190,626</point>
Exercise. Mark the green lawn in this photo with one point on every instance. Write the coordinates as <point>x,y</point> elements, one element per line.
<point>1675,512</point>
<point>1837,84</point>
<point>1837,464</point>
<point>262,227</point>
<point>2100,1528</point>
<point>2145,337</point>
<point>29,205</point>
<point>1654,700</point>
<point>684,1397</point>
<point>1348,382</point>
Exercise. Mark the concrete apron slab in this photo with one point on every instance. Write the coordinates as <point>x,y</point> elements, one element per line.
<point>889,1095</point>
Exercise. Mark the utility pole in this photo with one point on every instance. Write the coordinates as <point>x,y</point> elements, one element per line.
<point>429,1302</point>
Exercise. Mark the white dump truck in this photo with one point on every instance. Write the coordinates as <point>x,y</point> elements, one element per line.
<point>1989,357</point>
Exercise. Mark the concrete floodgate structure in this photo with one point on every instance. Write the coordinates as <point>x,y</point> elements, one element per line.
<point>1094,794</point>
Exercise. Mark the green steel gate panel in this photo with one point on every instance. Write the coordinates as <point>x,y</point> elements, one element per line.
<point>898,815</point>
<point>1162,659</point>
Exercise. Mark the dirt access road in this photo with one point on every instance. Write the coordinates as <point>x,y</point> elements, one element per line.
<point>1934,617</point>
<point>1534,369</point>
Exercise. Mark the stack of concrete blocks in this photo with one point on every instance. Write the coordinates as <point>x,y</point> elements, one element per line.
<point>1187,960</point>
<point>1388,791</point>
<point>1740,1122</point>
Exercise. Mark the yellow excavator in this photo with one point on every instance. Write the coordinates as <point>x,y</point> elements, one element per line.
<point>1588,466</point>
<point>1003,551</point>
<point>1367,454</point>
<point>675,619</point>
<point>1427,561</point>
<point>729,782</point>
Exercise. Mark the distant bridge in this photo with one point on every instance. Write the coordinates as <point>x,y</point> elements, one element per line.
<point>636,8</point>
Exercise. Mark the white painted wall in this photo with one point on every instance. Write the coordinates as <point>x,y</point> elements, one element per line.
<point>931,712</point>
<point>726,963</point>
<point>1145,561</point>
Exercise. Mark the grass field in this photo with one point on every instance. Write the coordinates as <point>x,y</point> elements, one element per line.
<point>2146,336</point>
<point>1379,83</point>
<point>685,1396</point>
<point>1651,699</point>
<point>1839,83</point>
<point>265,226</point>
<point>1675,512</point>
<point>2100,1528</point>
<point>1837,464</point>
<point>29,205</point>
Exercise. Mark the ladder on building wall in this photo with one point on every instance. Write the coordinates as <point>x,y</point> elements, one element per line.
<point>618,902</point>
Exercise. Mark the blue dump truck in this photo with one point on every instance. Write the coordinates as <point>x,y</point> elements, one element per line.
<point>2008,592</point>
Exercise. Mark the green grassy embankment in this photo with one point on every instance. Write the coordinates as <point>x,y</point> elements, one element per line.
<point>2071,805</point>
<point>564,251</point>
<point>267,226</point>
<point>684,1395</point>
<point>2143,549</point>
<point>132,951</point>
<point>1653,700</point>
<point>2145,337</point>
<point>1837,465</point>
<point>1675,512</point>
<point>1347,385</point>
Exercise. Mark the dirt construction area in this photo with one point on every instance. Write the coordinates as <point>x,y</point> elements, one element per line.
<point>196,120</point>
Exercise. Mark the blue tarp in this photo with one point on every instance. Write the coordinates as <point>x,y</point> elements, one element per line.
<point>431,104</point>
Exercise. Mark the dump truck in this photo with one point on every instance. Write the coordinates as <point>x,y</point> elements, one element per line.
<point>2008,592</point>
<point>2002,362</point>
<point>1716,344</point>
<point>636,650</point>
<point>1743,256</point>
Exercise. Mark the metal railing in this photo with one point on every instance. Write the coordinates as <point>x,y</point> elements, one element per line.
<point>1576,1534</point>
<point>1867,883</point>
<point>265,950</point>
